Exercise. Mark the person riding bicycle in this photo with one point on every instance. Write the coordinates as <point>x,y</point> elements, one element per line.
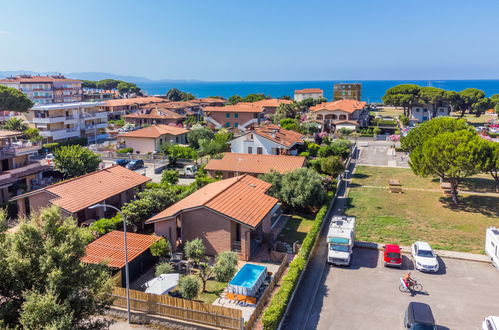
<point>408,280</point>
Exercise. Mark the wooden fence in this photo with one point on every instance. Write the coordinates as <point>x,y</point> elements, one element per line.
<point>181,309</point>
<point>251,323</point>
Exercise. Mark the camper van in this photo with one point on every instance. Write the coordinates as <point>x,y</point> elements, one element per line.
<point>340,240</point>
<point>492,245</point>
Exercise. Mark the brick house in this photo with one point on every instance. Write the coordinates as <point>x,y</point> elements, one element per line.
<point>114,185</point>
<point>233,164</point>
<point>233,214</point>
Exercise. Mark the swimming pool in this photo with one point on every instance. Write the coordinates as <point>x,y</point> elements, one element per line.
<point>248,280</point>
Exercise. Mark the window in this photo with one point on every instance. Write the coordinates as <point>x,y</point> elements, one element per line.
<point>236,115</point>
<point>259,150</point>
<point>227,124</point>
<point>250,150</point>
<point>236,124</point>
<point>227,115</point>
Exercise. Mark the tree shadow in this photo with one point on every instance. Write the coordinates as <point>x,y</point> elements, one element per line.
<point>479,184</point>
<point>360,176</point>
<point>486,205</point>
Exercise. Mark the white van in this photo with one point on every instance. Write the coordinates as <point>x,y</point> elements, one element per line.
<point>492,245</point>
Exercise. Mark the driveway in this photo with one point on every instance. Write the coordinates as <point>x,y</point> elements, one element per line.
<point>366,295</point>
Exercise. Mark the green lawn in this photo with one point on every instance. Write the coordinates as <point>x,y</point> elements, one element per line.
<point>418,215</point>
<point>389,111</point>
<point>296,229</point>
<point>213,291</point>
<point>378,176</point>
<point>471,118</point>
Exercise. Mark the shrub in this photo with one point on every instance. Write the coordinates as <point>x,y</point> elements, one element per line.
<point>163,268</point>
<point>194,249</point>
<point>332,165</point>
<point>314,164</point>
<point>169,177</point>
<point>345,131</point>
<point>161,248</point>
<point>313,148</point>
<point>304,154</point>
<point>105,225</point>
<point>50,146</point>
<point>189,287</point>
<point>124,151</point>
<point>276,307</point>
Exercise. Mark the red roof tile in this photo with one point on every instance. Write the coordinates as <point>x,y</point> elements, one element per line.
<point>254,163</point>
<point>37,79</point>
<point>155,114</point>
<point>79,193</point>
<point>110,249</point>
<point>155,131</point>
<point>279,135</point>
<point>135,100</point>
<point>342,105</point>
<point>241,198</point>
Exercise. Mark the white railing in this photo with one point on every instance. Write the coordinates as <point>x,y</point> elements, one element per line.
<point>48,120</point>
<point>213,121</point>
<point>61,134</point>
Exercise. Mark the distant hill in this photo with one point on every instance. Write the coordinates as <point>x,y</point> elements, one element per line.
<point>91,76</point>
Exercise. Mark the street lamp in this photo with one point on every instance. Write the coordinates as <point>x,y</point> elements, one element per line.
<point>127,284</point>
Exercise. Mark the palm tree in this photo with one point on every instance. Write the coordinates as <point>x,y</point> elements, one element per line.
<point>15,124</point>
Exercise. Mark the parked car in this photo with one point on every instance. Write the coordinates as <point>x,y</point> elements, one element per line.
<point>392,256</point>
<point>135,164</point>
<point>121,162</point>
<point>491,323</point>
<point>424,258</point>
<point>49,157</point>
<point>418,316</point>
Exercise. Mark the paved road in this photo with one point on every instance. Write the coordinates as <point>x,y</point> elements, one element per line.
<point>366,296</point>
<point>299,312</point>
<point>381,153</point>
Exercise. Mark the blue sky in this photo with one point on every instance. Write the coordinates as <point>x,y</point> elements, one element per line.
<point>254,40</point>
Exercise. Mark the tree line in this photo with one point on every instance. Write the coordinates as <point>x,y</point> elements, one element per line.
<point>123,87</point>
<point>470,100</point>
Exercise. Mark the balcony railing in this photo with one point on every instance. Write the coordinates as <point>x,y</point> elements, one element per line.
<point>236,246</point>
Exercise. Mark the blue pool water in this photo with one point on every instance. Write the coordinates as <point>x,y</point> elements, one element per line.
<point>248,275</point>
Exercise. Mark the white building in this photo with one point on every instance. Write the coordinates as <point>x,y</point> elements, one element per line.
<point>63,121</point>
<point>268,140</point>
<point>427,112</point>
<point>313,93</point>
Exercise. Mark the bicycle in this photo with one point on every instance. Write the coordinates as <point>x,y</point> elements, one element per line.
<point>415,286</point>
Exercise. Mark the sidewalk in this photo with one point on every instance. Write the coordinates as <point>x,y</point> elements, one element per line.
<point>440,253</point>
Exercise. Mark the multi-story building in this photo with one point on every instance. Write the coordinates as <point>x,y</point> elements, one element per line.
<point>239,116</point>
<point>63,121</point>
<point>308,93</point>
<point>347,91</point>
<point>46,89</point>
<point>18,173</point>
<point>428,111</point>
<point>340,114</point>
<point>119,107</point>
<point>268,140</point>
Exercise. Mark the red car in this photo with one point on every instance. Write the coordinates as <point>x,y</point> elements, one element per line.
<point>392,256</point>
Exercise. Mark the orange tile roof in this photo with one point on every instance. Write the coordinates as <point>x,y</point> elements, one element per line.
<point>155,114</point>
<point>110,249</point>
<point>37,79</point>
<point>209,100</point>
<point>7,133</point>
<point>309,91</point>
<point>135,100</point>
<point>239,107</point>
<point>271,102</point>
<point>155,131</point>
<point>342,105</point>
<point>79,193</point>
<point>254,163</point>
<point>279,135</point>
<point>345,121</point>
<point>241,198</point>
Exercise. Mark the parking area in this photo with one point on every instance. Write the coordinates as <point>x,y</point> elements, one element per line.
<point>366,295</point>
<point>381,153</point>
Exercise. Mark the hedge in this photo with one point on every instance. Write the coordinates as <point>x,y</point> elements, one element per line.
<point>124,151</point>
<point>275,310</point>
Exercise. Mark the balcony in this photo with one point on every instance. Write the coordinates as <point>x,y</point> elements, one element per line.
<point>93,115</point>
<point>20,148</point>
<point>61,134</point>
<point>91,128</point>
<point>48,120</point>
<point>71,120</point>
<point>15,174</point>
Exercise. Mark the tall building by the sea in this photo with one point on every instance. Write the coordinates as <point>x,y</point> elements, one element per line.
<point>347,91</point>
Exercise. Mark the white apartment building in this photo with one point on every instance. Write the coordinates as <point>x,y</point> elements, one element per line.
<point>63,121</point>
<point>427,112</point>
<point>46,89</point>
<point>313,93</point>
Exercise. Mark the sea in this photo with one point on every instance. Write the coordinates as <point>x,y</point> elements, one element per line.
<point>372,90</point>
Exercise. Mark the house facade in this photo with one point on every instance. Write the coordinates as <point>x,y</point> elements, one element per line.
<point>46,89</point>
<point>233,164</point>
<point>149,139</point>
<point>114,185</point>
<point>233,214</point>
<point>153,116</point>
<point>18,173</point>
<point>426,112</point>
<point>119,107</point>
<point>308,93</point>
<point>63,121</point>
<point>344,113</point>
<point>239,116</point>
<point>268,140</point>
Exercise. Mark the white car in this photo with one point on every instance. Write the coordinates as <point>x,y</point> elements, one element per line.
<point>491,323</point>
<point>424,258</point>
